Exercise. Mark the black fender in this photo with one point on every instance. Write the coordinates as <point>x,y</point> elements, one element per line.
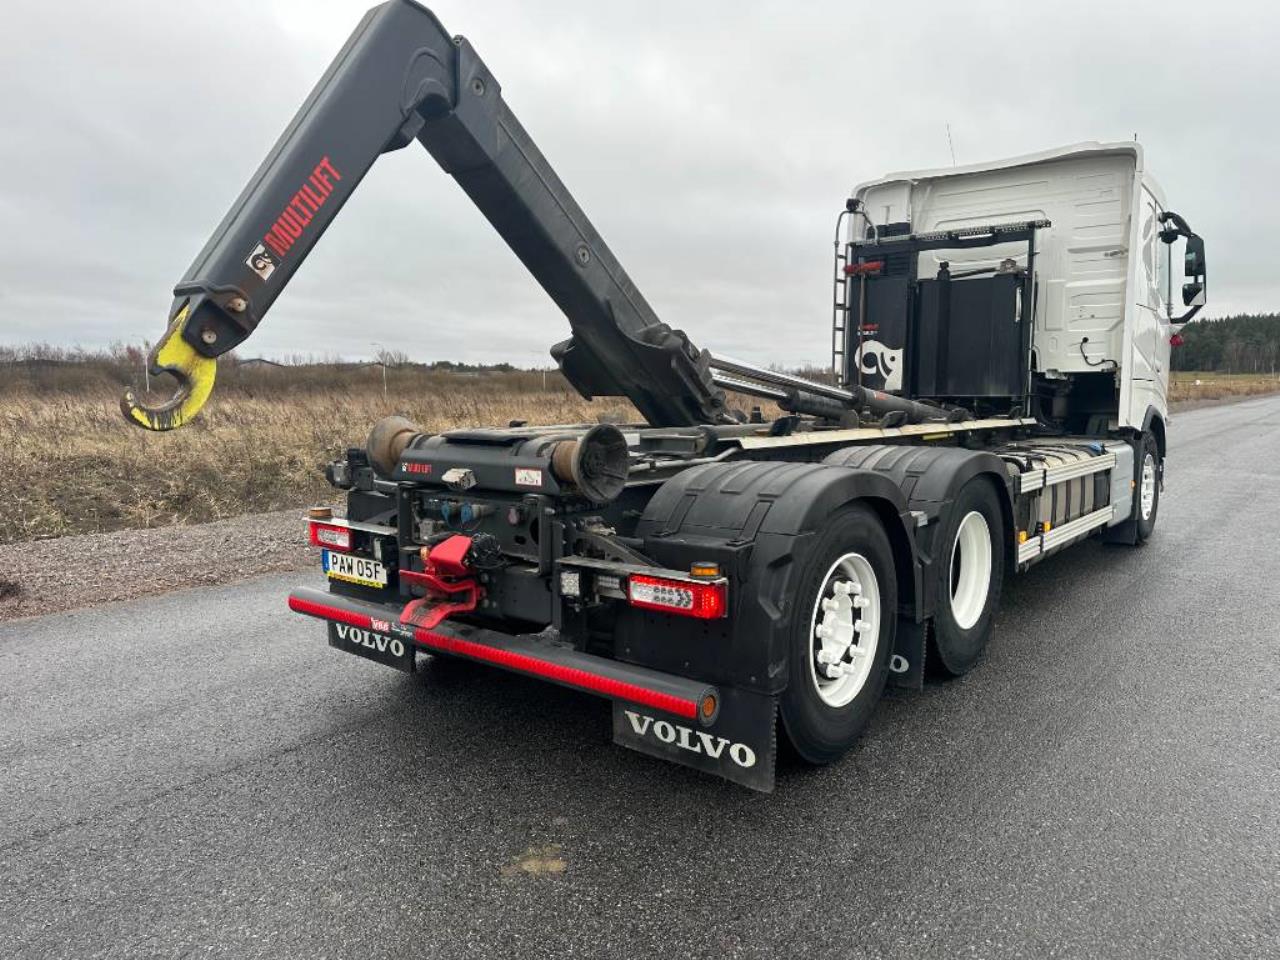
<point>930,478</point>
<point>756,519</point>
<point>1153,423</point>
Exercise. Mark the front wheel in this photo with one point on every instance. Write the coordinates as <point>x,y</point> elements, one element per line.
<point>843,621</point>
<point>1146,500</point>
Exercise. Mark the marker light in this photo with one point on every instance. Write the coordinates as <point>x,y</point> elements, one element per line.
<point>708,707</point>
<point>862,269</point>
<point>570,583</point>
<point>706,600</point>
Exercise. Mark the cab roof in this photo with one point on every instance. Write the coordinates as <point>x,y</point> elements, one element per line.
<point>1088,148</point>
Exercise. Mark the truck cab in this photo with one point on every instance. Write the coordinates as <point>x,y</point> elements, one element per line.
<point>1103,306</point>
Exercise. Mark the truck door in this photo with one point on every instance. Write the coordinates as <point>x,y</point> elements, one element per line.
<point>1149,359</point>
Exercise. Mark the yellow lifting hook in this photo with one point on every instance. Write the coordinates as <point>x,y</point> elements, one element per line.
<point>193,372</point>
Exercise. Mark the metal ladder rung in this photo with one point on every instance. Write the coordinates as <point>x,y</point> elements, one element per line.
<point>839,311</point>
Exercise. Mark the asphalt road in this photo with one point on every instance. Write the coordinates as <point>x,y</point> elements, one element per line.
<point>199,775</point>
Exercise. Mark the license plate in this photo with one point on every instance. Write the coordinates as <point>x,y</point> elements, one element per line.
<point>380,647</point>
<point>353,569</point>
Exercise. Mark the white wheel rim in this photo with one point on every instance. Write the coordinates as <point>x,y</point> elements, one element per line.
<point>844,630</point>
<point>1147,489</point>
<point>970,571</point>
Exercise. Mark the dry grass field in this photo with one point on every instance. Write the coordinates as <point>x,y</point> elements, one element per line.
<point>72,465</point>
<point>1189,387</point>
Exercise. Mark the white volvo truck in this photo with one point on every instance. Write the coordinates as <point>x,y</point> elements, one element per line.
<point>1000,350</point>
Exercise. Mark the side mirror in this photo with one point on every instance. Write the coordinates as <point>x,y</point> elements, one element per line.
<point>1193,264</point>
<point>1193,258</point>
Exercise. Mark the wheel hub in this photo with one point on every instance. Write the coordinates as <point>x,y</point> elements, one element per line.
<point>845,629</point>
<point>840,627</point>
<point>1147,492</point>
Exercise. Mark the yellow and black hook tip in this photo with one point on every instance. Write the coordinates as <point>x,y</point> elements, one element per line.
<point>194,373</point>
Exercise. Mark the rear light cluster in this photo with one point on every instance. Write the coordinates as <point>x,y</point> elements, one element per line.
<point>689,598</point>
<point>330,536</point>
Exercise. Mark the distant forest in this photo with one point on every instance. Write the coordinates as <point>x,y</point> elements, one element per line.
<point>1245,344</point>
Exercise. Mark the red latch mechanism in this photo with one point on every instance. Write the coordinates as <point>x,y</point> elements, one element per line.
<point>862,269</point>
<point>448,581</point>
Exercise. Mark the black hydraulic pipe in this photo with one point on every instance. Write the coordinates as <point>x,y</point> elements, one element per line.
<point>820,399</point>
<point>881,403</point>
<point>810,404</point>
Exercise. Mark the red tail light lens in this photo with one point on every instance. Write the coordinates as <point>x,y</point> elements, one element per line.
<point>686,598</point>
<point>330,536</point>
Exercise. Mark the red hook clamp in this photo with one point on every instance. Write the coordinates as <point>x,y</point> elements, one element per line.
<point>448,581</point>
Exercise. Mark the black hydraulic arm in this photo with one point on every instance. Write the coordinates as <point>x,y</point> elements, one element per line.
<point>402,77</point>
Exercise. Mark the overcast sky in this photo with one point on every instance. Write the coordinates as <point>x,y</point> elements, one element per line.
<point>711,144</point>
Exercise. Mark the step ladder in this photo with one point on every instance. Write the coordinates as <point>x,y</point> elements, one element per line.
<point>840,313</point>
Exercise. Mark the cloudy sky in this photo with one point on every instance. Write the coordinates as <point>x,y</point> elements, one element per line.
<point>711,144</point>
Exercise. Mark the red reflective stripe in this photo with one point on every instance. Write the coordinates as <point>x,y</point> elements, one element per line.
<point>299,605</point>
<point>570,676</point>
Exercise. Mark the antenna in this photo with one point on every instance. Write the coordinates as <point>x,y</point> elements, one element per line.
<point>951,145</point>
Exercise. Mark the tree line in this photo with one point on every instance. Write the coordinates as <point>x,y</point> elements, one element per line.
<point>1248,343</point>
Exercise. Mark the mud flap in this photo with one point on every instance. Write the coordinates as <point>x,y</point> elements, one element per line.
<point>739,745</point>
<point>906,666</point>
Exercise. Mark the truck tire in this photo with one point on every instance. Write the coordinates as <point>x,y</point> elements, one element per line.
<point>846,602</point>
<point>1146,494</point>
<point>969,572</point>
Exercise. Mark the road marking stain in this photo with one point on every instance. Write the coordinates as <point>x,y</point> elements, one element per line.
<point>537,860</point>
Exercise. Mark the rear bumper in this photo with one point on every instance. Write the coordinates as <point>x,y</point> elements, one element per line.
<point>639,686</point>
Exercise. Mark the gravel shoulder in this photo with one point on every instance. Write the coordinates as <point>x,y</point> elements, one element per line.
<point>91,569</point>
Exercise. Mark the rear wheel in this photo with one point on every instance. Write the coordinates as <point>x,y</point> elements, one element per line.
<point>969,571</point>
<point>842,629</point>
<point>1146,499</point>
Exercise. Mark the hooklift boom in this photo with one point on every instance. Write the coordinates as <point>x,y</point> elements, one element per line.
<point>1000,344</point>
<point>401,77</point>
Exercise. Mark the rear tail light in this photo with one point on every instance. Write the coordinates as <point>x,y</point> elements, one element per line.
<point>330,536</point>
<point>706,600</point>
